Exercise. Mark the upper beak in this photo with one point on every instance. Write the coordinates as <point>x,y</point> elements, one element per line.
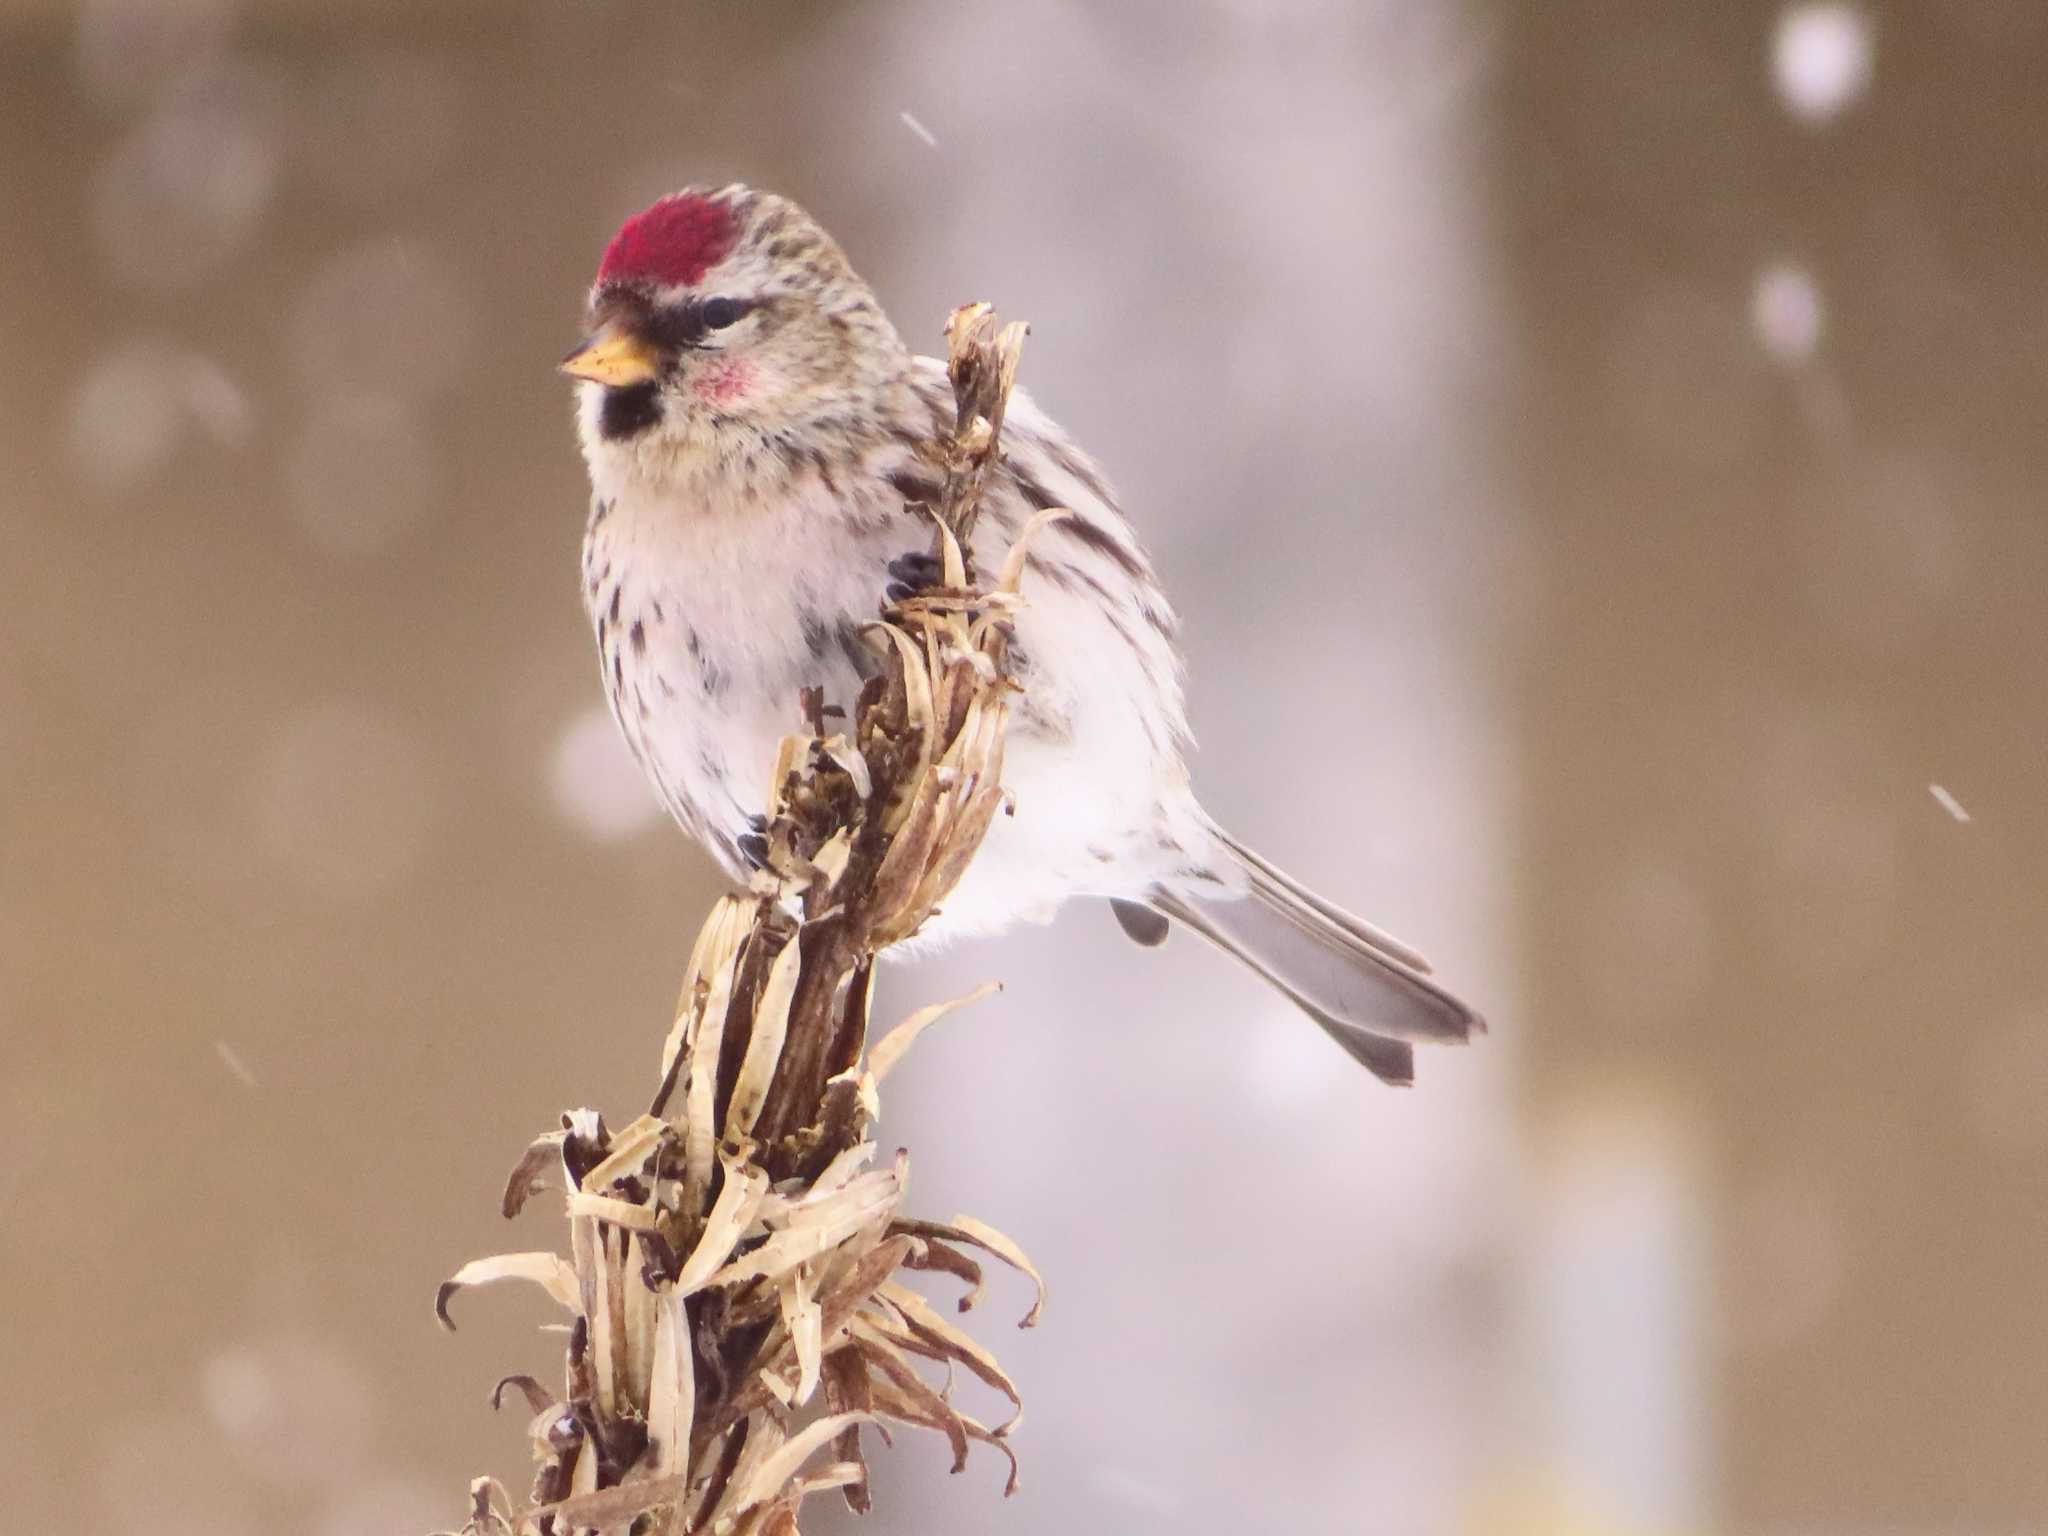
<point>613,356</point>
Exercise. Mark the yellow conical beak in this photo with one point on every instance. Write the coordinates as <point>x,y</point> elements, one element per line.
<point>615,357</point>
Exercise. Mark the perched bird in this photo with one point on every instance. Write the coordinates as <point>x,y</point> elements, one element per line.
<point>754,429</point>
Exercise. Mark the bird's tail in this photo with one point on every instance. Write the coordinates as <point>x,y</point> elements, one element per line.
<point>1372,993</point>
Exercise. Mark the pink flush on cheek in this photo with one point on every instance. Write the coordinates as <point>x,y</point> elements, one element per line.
<point>724,382</point>
<point>675,242</point>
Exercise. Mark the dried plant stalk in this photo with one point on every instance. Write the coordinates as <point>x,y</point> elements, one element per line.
<point>733,1253</point>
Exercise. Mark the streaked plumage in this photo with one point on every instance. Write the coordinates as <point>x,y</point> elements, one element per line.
<point>754,428</point>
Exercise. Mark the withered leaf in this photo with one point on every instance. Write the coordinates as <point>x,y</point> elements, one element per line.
<point>897,1372</point>
<point>954,1344</point>
<point>965,1229</point>
<point>546,1270</point>
<point>764,1043</point>
<point>538,1398</point>
<point>529,1175</point>
<point>933,1254</point>
<point>886,1052</point>
<point>610,1508</point>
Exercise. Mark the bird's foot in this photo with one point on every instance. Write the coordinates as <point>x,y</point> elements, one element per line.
<point>753,844</point>
<point>912,573</point>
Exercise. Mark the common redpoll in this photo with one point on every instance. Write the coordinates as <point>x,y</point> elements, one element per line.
<point>754,428</point>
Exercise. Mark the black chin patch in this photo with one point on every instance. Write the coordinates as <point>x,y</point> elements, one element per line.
<point>629,411</point>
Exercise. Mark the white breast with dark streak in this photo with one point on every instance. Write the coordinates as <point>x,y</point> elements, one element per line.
<point>713,612</point>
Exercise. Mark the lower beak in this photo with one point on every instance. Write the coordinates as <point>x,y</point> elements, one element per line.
<point>615,357</point>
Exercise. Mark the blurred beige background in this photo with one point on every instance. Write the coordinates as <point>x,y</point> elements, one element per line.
<point>1597,448</point>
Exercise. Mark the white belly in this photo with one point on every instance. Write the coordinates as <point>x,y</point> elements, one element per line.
<point>713,615</point>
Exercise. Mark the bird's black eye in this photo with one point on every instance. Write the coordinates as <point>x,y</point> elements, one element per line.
<point>717,314</point>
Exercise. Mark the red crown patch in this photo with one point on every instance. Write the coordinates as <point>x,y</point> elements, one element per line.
<point>676,241</point>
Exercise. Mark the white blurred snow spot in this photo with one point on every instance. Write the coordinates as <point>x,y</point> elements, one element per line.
<point>918,128</point>
<point>1949,803</point>
<point>186,190</point>
<point>239,1391</point>
<point>1787,312</point>
<point>232,1060</point>
<point>387,316</point>
<point>126,417</point>
<point>596,784</point>
<point>136,405</point>
<point>1821,58</point>
<point>216,401</point>
<point>294,1408</point>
